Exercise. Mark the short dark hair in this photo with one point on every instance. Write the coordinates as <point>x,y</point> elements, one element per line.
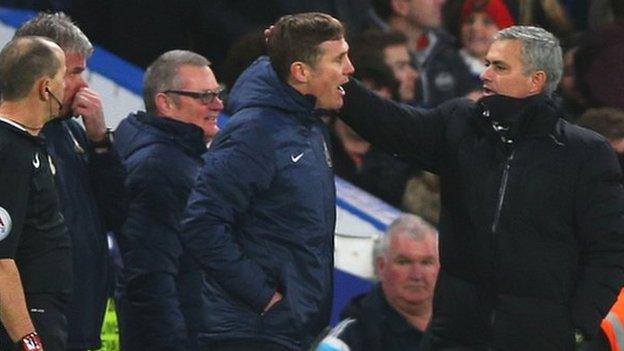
<point>373,42</point>
<point>60,29</point>
<point>606,121</point>
<point>297,38</point>
<point>378,75</point>
<point>382,9</point>
<point>162,74</point>
<point>24,60</point>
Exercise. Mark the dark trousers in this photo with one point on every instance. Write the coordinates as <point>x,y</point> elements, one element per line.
<point>47,314</point>
<point>245,346</point>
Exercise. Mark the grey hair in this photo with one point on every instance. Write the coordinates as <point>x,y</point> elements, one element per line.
<point>60,29</point>
<point>407,224</point>
<point>540,51</point>
<point>162,74</point>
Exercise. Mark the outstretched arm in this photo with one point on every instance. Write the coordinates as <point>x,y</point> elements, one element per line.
<point>396,128</point>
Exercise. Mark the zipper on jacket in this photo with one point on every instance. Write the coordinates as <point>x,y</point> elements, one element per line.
<point>501,192</point>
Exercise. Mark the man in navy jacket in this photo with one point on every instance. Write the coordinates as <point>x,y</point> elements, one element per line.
<point>260,219</point>
<point>161,287</point>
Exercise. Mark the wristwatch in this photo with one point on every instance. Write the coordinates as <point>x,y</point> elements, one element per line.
<point>30,342</point>
<point>102,146</point>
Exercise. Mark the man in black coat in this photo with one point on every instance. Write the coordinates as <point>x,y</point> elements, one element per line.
<point>35,248</point>
<point>532,222</point>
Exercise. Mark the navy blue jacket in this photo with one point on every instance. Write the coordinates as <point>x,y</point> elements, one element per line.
<point>161,286</point>
<point>261,216</point>
<point>89,189</point>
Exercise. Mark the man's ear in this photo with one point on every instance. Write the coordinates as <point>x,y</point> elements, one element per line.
<point>299,72</point>
<point>164,104</point>
<point>42,88</point>
<point>538,82</point>
<point>380,264</point>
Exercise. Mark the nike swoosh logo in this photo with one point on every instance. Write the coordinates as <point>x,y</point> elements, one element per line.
<point>296,159</point>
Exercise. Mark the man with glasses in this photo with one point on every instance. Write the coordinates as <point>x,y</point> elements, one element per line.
<point>161,288</point>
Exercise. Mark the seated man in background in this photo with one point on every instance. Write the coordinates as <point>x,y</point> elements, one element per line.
<point>161,287</point>
<point>394,315</point>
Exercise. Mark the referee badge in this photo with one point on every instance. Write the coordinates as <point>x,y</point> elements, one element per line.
<point>5,223</point>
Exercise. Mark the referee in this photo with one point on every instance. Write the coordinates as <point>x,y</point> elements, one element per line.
<point>35,249</point>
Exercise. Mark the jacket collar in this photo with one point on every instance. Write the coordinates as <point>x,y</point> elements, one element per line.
<point>509,119</point>
<point>187,135</point>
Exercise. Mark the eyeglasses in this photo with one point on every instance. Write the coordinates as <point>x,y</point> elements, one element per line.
<point>206,96</point>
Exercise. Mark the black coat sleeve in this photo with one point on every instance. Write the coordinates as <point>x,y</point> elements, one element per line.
<point>396,128</point>
<point>599,210</point>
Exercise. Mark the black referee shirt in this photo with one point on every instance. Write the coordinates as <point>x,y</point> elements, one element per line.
<point>32,231</point>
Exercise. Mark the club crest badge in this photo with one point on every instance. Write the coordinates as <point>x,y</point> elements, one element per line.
<point>5,223</point>
<point>328,157</point>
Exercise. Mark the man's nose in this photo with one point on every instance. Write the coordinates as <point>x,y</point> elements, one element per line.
<point>348,69</point>
<point>485,75</point>
<point>416,271</point>
<point>217,104</point>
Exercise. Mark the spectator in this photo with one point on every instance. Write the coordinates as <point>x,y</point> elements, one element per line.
<point>35,248</point>
<point>394,315</point>
<point>378,77</point>
<point>573,102</point>
<point>161,290</point>
<point>531,226</point>
<point>260,219</point>
<point>479,21</point>
<point>241,54</point>
<point>443,74</point>
<point>549,14</point>
<point>391,49</point>
<point>599,65</point>
<point>89,179</point>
